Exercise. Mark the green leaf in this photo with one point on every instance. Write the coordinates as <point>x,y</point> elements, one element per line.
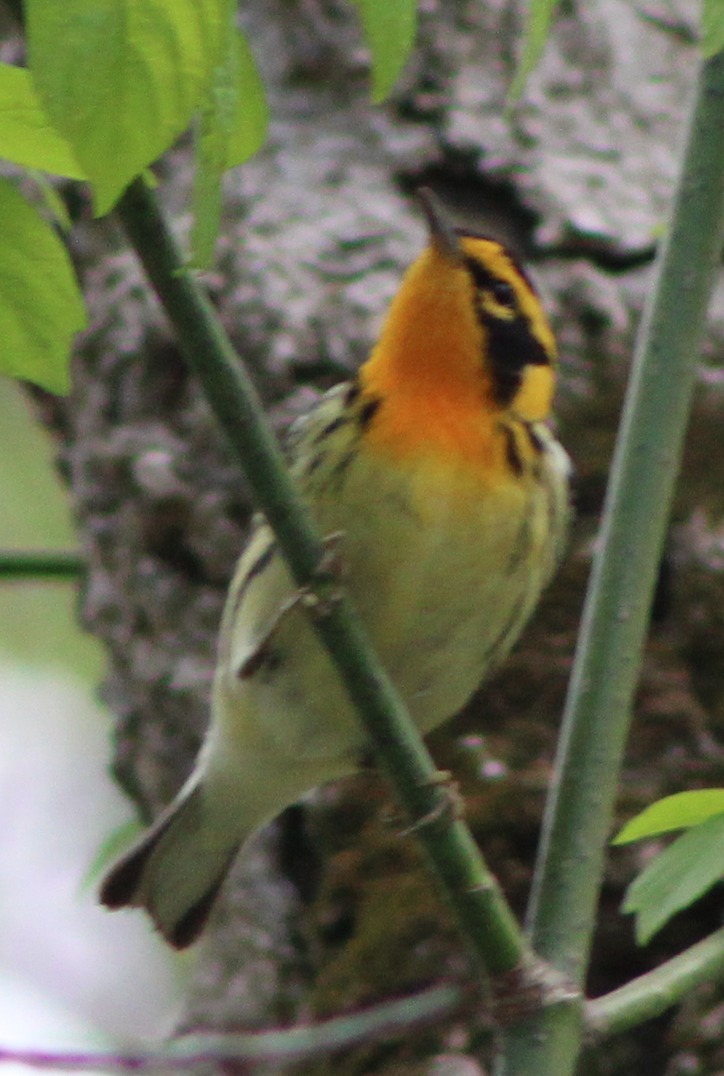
<point>674,812</point>
<point>121,79</point>
<point>712,28</point>
<point>41,307</point>
<point>389,29</point>
<point>232,127</point>
<point>109,850</point>
<point>251,116</point>
<point>677,877</point>
<point>207,193</point>
<point>53,202</point>
<point>26,135</point>
<point>535,35</point>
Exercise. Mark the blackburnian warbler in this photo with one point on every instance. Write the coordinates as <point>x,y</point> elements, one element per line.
<point>450,495</point>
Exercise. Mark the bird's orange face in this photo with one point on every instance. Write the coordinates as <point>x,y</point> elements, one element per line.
<point>466,341</point>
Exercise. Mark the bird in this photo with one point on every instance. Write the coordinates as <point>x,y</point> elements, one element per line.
<point>438,473</point>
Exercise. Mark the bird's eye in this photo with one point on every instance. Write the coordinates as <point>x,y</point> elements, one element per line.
<point>503,292</point>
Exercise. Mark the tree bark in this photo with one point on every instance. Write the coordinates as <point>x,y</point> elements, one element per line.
<point>331,908</point>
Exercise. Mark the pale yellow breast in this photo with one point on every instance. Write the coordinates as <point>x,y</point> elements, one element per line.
<point>444,574</point>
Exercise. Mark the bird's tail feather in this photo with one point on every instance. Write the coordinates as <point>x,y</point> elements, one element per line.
<point>175,870</point>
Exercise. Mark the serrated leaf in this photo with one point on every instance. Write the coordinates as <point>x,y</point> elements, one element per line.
<point>673,812</point>
<point>712,28</point>
<point>535,34</point>
<point>681,874</point>
<point>121,79</point>
<point>26,135</point>
<point>41,308</point>
<point>232,127</point>
<point>389,30</point>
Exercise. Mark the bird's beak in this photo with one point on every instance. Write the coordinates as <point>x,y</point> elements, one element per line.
<point>442,232</point>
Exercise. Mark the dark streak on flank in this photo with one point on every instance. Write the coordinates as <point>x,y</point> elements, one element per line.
<point>537,447</point>
<point>552,503</point>
<point>536,443</point>
<point>502,644</point>
<point>498,649</point>
<point>335,424</point>
<point>512,451</point>
<point>521,547</point>
<point>367,412</point>
<point>261,562</point>
<point>353,391</point>
<point>265,659</point>
<point>314,463</point>
<point>336,475</point>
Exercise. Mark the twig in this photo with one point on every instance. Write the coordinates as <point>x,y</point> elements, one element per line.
<point>653,993</point>
<point>188,1053</point>
<point>31,564</point>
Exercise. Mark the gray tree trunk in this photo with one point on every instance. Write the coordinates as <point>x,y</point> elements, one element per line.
<point>331,908</point>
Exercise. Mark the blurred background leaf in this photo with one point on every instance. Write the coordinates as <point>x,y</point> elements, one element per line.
<point>389,31</point>
<point>677,877</point>
<point>679,811</point>
<point>41,307</point>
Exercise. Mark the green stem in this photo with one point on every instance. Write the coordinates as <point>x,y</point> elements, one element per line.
<point>646,462</point>
<point>651,994</point>
<point>29,564</point>
<point>386,1019</point>
<point>474,893</point>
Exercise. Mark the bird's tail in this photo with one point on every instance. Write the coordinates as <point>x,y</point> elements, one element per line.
<point>175,870</point>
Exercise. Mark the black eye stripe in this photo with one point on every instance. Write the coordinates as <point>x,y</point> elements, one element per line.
<point>502,290</point>
<point>510,344</point>
<point>487,281</point>
<point>504,293</point>
<point>482,278</point>
<point>474,266</point>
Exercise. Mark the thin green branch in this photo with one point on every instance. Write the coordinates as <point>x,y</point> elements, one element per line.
<point>189,1053</point>
<point>31,564</point>
<point>387,1019</point>
<point>646,462</point>
<point>482,912</point>
<point>651,994</point>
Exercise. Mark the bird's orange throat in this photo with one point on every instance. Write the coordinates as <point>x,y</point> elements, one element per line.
<point>428,370</point>
<point>408,426</point>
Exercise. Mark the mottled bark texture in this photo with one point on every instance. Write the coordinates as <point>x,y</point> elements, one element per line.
<point>332,909</point>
